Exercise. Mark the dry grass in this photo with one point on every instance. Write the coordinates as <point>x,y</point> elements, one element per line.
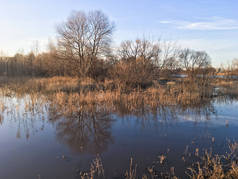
<point>217,166</point>
<point>96,170</point>
<point>150,98</point>
<point>87,91</point>
<point>225,83</point>
<point>64,94</point>
<point>28,85</point>
<point>209,166</point>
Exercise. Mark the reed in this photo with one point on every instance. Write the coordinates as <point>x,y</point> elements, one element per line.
<point>208,166</point>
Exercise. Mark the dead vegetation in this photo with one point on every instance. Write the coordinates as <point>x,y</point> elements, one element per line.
<point>207,166</point>
<point>88,91</point>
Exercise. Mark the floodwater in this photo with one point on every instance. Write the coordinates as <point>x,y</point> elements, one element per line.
<point>38,142</point>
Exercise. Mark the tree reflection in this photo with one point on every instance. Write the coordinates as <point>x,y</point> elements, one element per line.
<point>202,109</point>
<point>86,130</point>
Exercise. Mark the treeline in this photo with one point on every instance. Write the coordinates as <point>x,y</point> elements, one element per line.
<point>84,49</point>
<point>42,65</point>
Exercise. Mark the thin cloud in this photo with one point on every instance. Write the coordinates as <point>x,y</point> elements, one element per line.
<point>166,22</point>
<point>214,23</point>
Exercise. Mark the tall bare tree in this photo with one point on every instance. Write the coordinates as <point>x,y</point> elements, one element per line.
<point>162,54</point>
<point>169,56</point>
<point>145,49</point>
<point>192,60</point>
<point>84,38</point>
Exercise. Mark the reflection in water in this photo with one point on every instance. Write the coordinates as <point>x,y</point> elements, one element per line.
<point>164,113</point>
<point>87,128</point>
<point>28,113</point>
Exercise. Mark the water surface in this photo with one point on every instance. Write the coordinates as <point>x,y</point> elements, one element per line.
<point>37,141</point>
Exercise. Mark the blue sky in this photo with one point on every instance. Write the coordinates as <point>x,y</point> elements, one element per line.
<point>210,25</point>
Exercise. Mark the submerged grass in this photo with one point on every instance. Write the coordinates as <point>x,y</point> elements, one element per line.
<point>87,91</point>
<point>70,95</point>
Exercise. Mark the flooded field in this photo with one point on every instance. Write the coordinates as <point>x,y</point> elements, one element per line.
<point>144,90</point>
<point>40,138</point>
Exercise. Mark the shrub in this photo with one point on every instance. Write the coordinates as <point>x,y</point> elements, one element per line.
<point>133,73</point>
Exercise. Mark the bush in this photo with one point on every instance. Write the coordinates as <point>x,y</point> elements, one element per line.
<point>131,74</point>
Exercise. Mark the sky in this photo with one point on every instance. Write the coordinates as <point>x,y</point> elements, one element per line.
<point>207,25</point>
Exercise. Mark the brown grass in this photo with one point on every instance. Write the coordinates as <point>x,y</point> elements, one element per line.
<point>209,166</point>
<point>68,94</point>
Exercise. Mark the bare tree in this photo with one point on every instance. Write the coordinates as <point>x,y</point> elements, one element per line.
<point>35,48</point>
<point>193,60</point>
<point>235,64</point>
<point>164,56</point>
<point>145,49</point>
<point>83,39</point>
<point>169,56</point>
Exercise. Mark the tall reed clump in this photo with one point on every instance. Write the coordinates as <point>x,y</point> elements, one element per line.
<point>96,170</point>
